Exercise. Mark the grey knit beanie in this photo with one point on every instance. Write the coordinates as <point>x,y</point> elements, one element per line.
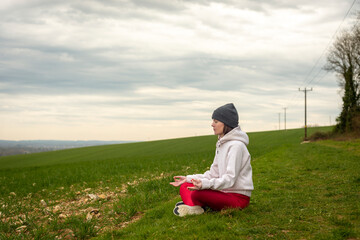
<point>227,114</point>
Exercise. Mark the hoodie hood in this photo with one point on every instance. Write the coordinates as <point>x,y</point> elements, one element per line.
<point>236,134</point>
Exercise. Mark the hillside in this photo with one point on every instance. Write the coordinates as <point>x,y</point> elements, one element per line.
<point>8,148</point>
<point>122,191</point>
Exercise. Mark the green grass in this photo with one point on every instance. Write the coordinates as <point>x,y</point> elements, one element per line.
<point>302,191</point>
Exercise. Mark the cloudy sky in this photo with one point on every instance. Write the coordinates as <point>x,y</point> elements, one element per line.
<point>148,70</point>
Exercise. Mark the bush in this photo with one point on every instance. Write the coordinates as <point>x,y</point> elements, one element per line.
<point>356,123</point>
<point>320,136</point>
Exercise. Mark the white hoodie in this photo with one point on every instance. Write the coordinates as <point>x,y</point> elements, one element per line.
<point>231,170</point>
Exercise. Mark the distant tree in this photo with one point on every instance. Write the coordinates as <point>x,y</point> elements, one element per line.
<point>344,59</point>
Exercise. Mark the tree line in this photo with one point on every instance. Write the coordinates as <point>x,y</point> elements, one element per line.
<point>344,59</point>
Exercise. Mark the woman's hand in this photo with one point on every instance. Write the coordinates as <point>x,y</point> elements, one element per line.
<point>197,184</point>
<point>178,181</point>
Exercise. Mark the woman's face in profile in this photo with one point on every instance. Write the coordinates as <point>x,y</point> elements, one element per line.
<point>218,127</point>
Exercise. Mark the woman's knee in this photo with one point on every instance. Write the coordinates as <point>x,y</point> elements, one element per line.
<point>199,196</point>
<point>185,186</point>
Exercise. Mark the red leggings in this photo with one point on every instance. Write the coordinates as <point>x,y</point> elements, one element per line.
<point>216,200</point>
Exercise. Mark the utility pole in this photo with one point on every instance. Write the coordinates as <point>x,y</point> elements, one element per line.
<point>305,91</point>
<point>279,121</point>
<point>285,117</point>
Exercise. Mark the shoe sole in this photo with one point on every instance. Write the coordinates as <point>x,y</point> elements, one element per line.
<point>175,211</point>
<point>179,203</point>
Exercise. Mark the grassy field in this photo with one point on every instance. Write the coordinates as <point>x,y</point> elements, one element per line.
<point>302,191</point>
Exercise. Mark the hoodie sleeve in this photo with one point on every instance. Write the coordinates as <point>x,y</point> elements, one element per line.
<point>233,167</point>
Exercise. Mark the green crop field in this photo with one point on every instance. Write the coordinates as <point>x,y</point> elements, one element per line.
<point>302,191</point>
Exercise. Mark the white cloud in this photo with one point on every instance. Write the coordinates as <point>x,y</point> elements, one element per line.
<point>160,66</point>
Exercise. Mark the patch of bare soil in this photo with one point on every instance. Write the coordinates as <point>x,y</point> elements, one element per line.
<point>92,204</point>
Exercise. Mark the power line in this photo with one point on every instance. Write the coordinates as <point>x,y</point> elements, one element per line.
<point>352,29</point>
<point>307,78</point>
<point>330,41</point>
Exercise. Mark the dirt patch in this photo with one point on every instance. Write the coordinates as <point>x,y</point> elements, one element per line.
<point>90,204</point>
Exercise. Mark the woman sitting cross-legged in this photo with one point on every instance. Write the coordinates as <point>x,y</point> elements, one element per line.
<point>228,183</point>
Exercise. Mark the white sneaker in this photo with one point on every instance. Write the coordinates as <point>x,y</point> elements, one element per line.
<point>183,210</point>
